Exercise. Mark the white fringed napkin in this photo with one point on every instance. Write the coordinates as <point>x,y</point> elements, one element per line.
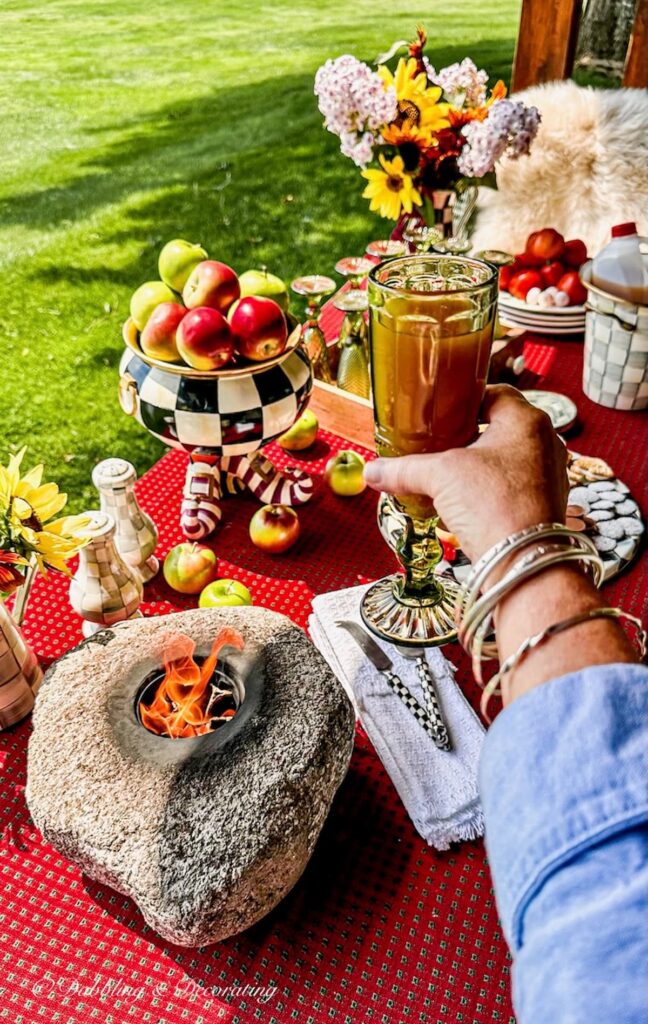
<point>438,788</point>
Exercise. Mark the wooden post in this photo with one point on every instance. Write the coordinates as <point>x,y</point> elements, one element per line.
<point>635,74</point>
<point>546,41</point>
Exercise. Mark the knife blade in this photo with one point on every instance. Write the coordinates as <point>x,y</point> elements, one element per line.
<point>384,664</point>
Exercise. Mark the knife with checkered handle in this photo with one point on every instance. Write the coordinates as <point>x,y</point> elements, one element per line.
<point>426,679</point>
<point>380,661</point>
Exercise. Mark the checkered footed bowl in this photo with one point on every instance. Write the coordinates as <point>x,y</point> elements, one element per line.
<point>227,412</point>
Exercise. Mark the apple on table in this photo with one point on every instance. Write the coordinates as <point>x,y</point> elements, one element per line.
<point>274,528</point>
<point>188,568</point>
<point>301,435</point>
<point>224,593</point>
<point>344,474</point>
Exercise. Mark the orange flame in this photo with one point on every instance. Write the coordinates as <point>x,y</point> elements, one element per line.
<point>184,703</point>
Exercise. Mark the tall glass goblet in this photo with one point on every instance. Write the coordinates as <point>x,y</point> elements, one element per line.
<point>431,321</point>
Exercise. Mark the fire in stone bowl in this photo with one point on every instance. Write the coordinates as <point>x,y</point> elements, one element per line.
<point>192,697</point>
<point>209,830</point>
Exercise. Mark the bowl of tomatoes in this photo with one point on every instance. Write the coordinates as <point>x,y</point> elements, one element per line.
<point>541,288</point>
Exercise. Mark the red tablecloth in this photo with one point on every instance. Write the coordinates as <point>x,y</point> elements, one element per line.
<point>380,928</point>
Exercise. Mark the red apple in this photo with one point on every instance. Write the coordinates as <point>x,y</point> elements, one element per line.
<point>522,282</point>
<point>552,273</point>
<point>571,284</point>
<point>211,284</point>
<point>575,253</point>
<point>274,528</point>
<point>204,339</point>
<point>259,327</point>
<point>546,244</point>
<point>158,339</point>
<point>188,568</point>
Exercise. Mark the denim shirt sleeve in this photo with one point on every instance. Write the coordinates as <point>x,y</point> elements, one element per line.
<point>564,784</point>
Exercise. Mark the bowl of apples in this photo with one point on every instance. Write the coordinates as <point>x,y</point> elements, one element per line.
<point>211,367</point>
<point>209,361</point>
<point>541,290</point>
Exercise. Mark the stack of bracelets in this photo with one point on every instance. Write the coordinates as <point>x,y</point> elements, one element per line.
<point>540,547</point>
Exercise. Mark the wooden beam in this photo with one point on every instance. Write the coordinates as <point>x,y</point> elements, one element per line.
<point>546,42</point>
<point>635,75</point>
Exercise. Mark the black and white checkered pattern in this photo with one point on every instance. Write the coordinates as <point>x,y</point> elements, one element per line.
<point>419,712</point>
<point>615,369</point>
<point>223,415</point>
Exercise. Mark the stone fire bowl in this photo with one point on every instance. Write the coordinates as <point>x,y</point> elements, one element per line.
<point>206,834</point>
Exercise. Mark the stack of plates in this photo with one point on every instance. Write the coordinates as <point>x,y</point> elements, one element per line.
<point>542,320</point>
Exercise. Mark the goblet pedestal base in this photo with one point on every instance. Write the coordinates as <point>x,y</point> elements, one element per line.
<point>407,621</point>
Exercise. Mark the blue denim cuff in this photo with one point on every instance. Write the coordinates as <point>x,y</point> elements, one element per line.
<point>562,768</point>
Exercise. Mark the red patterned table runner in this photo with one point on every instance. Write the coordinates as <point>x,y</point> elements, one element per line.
<point>380,928</point>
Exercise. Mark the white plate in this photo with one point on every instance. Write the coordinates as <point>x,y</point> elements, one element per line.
<point>542,328</point>
<point>512,303</point>
<point>561,410</point>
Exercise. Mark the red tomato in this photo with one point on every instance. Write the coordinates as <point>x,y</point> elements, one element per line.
<point>570,283</point>
<point>575,253</point>
<point>552,273</point>
<point>505,275</point>
<point>523,281</point>
<point>526,259</point>
<point>546,244</point>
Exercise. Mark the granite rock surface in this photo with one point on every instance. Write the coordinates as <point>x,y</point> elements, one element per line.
<point>205,834</point>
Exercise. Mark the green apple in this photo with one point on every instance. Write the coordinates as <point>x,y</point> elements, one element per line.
<point>302,433</point>
<point>343,474</point>
<point>147,298</point>
<point>188,568</point>
<point>221,593</point>
<point>260,282</point>
<point>177,260</point>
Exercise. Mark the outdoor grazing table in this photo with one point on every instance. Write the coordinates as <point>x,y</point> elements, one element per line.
<point>380,928</point>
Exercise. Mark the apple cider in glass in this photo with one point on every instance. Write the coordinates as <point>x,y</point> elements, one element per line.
<point>431,330</point>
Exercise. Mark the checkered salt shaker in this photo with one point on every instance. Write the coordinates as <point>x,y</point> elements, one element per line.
<point>136,534</point>
<point>104,589</point>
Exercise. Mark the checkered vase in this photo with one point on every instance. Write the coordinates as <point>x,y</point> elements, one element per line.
<point>615,367</point>
<point>20,673</point>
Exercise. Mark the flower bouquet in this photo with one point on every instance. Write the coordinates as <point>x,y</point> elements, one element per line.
<point>421,136</point>
<point>30,540</point>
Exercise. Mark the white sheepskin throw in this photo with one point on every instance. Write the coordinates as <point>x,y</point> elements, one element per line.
<point>587,170</point>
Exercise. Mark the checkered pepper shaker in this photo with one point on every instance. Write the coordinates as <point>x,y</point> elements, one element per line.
<point>104,589</point>
<point>135,532</point>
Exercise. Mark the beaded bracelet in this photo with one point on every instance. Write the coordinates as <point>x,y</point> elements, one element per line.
<point>532,642</point>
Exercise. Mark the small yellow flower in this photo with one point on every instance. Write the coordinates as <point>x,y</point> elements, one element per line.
<point>59,541</point>
<point>391,190</point>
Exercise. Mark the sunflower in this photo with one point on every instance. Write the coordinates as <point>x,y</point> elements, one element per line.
<point>54,545</point>
<point>12,572</point>
<point>391,190</point>
<point>419,110</point>
<point>26,526</point>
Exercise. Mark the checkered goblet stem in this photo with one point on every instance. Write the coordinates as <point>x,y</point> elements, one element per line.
<point>441,739</point>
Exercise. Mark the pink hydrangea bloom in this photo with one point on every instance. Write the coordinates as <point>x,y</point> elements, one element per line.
<point>462,83</point>
<point>355,104</point>
<point>509,129</point>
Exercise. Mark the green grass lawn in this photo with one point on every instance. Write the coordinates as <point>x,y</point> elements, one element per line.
<point>126,124</point>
